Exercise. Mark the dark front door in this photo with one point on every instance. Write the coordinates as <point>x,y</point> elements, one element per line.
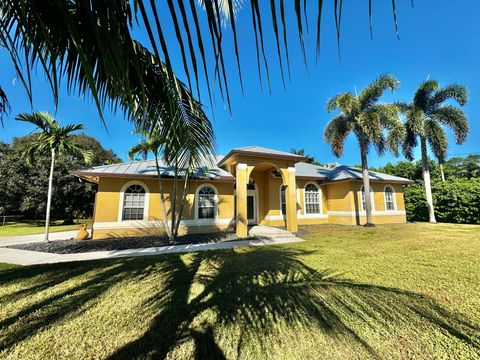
<point>251,209</point>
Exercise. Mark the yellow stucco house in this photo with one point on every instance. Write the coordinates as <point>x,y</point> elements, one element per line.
<point>250,185</point>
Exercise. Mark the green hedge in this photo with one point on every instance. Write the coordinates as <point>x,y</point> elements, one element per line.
<point>455,201</point>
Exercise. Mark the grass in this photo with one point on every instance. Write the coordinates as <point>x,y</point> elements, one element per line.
<point>31,227</point>
<point>396,291</point>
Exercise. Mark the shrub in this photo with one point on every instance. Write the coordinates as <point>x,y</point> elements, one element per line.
<point>455,201</point>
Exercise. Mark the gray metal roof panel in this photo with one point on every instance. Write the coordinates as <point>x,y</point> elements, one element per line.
<point>261,150</point>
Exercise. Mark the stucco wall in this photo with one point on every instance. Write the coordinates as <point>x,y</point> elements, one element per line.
<point>341,204</point>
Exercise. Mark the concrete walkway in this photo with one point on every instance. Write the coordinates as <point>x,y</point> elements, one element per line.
<point>26,239</point>
<point>24,257</point>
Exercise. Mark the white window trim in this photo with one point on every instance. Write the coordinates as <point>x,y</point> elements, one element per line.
<point>122,199</point>
<point>320,200</point>
<point>215,200</point>
<point>394,198</point>
<point>372,198</point>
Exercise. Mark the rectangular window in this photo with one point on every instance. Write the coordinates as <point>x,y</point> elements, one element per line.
<point>312,199</point>
<point>206,206</point>
<point>389,203</point>
<point>133,206</point>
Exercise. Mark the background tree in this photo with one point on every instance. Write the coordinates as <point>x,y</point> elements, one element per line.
<point>23,188</point>
<point>368,120</point>
<point>308,158</point>
<point>53,139</point>
<point>463,167</point>
<point>425,116</point>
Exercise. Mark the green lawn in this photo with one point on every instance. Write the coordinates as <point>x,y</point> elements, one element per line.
<point>398,291</point>
<point>31,227</point>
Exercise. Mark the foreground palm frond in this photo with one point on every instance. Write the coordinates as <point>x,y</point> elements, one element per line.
<point>90,42</point>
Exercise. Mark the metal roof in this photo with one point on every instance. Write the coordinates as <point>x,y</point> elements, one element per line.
<point>147,168</point>
<point>261,151</point>
<point>343,172</point>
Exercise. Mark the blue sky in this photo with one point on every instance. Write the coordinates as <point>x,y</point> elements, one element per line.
<point>437,39</point>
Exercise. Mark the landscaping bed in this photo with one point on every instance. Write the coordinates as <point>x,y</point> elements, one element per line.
<point>73,246</point>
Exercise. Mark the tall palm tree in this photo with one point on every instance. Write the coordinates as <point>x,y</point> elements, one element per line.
<point>54,140</point>
<point>371,122</point>
<point>425,116</point>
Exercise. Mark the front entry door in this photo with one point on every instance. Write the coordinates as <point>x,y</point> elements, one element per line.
<point>251,207</point>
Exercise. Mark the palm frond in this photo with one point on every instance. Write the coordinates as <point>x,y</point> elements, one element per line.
<point>437,139</point>
<point>457,92</point>
<point>454,118</point>
<point>142,149</point>
<point>390,121</point>
<point>90,45</point>
<point>424,92</point>
<point>336,132</point>
<point>4,105</point>
<point>374,91</point>
<point>345,102</point>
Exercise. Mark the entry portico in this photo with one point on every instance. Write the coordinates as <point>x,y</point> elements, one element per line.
<point>252,168</point>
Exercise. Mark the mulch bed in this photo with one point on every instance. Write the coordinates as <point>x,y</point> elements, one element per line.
<point>73,246</point>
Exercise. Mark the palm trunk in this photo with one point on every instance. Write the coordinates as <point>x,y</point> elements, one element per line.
<point>182,204</point>
<point>366,184</point>
<point>162,197</point>
<point>49,196</point>
<point>441,172</point>
<point>174,203</point>
<point>426,180</point>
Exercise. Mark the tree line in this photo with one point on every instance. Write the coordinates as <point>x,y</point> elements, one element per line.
<point>24,187</point>
<point>456,194</point>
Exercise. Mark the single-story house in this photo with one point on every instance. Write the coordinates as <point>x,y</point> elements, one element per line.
<point>250,185</point>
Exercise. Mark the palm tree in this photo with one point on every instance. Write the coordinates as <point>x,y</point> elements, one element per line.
<point>425,116</point>
<point>54,140</point>
<point>368,120</point>
<point>184,145</point>
<point>153,142</point>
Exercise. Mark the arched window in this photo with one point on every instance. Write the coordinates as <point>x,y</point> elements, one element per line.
<point>283,200</point>
<point>206,203</point>
<point>134,203</point>
<point>389,198</point>
<point>362,193</point>
<point>312,199</point>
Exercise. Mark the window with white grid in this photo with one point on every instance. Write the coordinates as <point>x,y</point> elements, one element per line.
<point>134,203</point>
<point>389,199</point>
<point>206,203</point>
<point>312,199</point>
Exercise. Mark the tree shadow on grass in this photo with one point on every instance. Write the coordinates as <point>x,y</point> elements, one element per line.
<point>71,300</point>
<point>256,290</point>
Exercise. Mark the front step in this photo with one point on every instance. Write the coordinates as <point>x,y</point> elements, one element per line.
<point>268,231</point>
